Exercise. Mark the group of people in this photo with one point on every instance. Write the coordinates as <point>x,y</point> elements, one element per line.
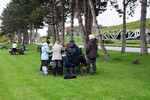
<point>73,53</point>
<point>21,50</point>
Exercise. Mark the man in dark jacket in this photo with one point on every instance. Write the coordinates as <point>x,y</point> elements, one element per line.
<point>91,52</point>
<point>72,57</point>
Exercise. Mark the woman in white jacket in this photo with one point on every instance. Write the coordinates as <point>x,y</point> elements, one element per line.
<point>14,46</point>
<point>57,58</point>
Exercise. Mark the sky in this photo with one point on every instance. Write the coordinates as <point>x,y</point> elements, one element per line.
<point>108,18</point>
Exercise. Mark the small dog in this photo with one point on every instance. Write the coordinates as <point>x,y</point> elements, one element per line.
<point>135,61</point>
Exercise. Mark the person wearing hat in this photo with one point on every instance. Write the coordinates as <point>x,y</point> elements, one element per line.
<point>91,53</point>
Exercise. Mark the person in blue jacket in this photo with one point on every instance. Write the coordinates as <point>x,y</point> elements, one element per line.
<point>40,47</point>
<point>45,51</point>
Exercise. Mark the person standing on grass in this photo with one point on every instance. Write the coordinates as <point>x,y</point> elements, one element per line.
<point>72,57</point>
<point>40,47</point>
<point>22,47</point>
<point>92,54</point>
<point>45,51</point>
<point>57,58</point>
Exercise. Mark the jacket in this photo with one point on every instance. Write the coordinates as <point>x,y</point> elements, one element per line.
<point>45,51</point>
<point>14,45</point>
<point>57,48</point>
<point>72,57</point>
<point>91,49</point>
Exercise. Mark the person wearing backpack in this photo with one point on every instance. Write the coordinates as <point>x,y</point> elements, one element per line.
<point>72,57</point>
<point>92,54</point>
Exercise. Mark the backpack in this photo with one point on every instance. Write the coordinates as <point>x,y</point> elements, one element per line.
<point>69,76</point>
<point>82,58</point>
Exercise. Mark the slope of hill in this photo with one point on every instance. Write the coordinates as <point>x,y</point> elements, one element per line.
<point>132,25</point>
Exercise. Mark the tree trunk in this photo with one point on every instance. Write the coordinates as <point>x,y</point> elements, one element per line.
<point>106,56</point>
<point>53,21</point>
<point>53,34</point>
<point>11,38</point>
<point>19,36</point>
<point>80,22</point>
<point>14,37</point>
<point>86,19</point>
<point>32,33</point>
<point>124,28</point>
<point>57,34</point>
<point>30,25</point>
<point>36,32</point>
<point>143,42</point>
<point>89,23</point>
<point>72,19</point>
<point>62,24</point>
<point>25,36</point>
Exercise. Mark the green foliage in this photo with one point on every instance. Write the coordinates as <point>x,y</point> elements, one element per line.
<point>20,13</point>
<point>0,32</point>
<point>116,79</point>
<point>3,38</point>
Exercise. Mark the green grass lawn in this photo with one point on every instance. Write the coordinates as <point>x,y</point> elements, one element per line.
<point>116,79</point>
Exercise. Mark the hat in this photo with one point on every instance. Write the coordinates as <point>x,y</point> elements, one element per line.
<point>91,36</point>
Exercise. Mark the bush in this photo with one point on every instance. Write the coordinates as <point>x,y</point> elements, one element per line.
<point>3,38</point>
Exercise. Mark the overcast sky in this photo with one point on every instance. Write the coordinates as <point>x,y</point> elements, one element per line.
<point>108,18</point>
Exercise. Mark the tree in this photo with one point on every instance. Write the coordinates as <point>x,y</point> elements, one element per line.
<point>143,42</point>
<point>106,56</point>
<point>132,5</point>
<point>72,18</point>
<point>88,20</point>
<point>128,7</point>
<point>63,22</point>
<point>80,23</point>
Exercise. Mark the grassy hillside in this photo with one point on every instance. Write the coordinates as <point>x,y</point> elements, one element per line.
<point>132,25</point>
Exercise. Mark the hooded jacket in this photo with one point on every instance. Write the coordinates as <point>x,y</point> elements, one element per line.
<point>57,48</point>
<point>72,57</point>
<point>45,51</point>
<point>91,49</point>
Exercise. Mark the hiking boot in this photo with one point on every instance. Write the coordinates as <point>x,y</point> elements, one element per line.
<point>74,75</point>
<point>41,71</point>
<point>86,73</point>
<point>94,73</point>
<point>44,70</point>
